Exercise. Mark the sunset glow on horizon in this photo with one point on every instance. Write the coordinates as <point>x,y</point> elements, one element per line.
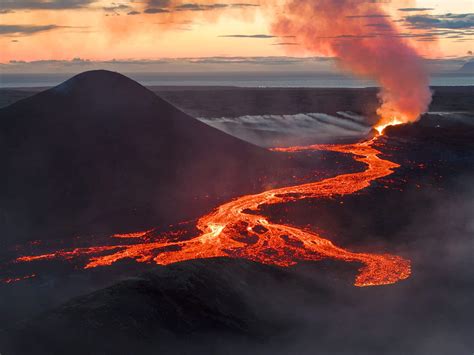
<point>105,30</point>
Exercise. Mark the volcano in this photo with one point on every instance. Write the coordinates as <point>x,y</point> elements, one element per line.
<point>101,153</point>
<point>271,271</point>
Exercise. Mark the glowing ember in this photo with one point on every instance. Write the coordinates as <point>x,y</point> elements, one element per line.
<point>132,235</point>
<point>231,231</point>
<point>15,279</point>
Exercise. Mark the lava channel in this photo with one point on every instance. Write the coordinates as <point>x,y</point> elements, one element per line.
<point>231,231</point>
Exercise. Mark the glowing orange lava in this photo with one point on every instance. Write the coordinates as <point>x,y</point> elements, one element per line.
<point>237,230</point>
<point>132,235</point>
<point>16,279</point>
<point>391,121</point>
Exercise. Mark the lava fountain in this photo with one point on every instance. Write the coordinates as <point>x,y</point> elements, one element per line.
<point>237,229</point>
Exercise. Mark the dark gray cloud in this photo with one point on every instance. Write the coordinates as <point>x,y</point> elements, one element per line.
<point>199,7</point>
<point>46,5</point>
<point>153,10</point>
<point>134,12</point>
<point>428,33</point>
<point>164,6</point>
<point>25,30</point>
<point>208,7</point>
<point>379,25</point>
<point>254,60</point>
<point>257,36</point>
<point>427,39</point>
<point>159,3</point>
<point>286,44</point>
<point>414,9</point>
<point>447,21</point>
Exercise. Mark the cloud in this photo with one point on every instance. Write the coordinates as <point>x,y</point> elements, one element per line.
<point>258,36</point>
<point>183,66</point>
<point>379,25</point>
<point>429,32</point>
<point>25,30</point>
<point>244,5</point>
<point>168,6</point>
<point>413,9</point>
<point>159,3</point>
<point>176,65</point>
<point>116,8</point>
<point>43,5</point>
<point>199,7</point>
<point>447,21</point>
<point>207,7</point>
<point>153,10</point>
<point>254,60</point>
<point>286,44</point>
<point>134,13</point>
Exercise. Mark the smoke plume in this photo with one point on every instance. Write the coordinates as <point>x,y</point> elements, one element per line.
<point>366,42</point>
<point>359,33</point>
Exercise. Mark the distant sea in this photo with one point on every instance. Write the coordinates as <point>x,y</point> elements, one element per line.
<point>247,79</point>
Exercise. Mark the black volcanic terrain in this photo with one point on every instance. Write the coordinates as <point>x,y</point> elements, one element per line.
<point>79,165</point>
<point>101,153</point>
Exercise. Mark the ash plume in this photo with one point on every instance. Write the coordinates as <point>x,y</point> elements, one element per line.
<point>366,42</point>
<point>359,33</point>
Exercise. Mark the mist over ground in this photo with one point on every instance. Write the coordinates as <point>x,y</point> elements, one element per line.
<point>236,306</point>
<point>272,117</point>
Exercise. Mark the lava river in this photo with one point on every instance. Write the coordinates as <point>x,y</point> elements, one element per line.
<point>237,230</point>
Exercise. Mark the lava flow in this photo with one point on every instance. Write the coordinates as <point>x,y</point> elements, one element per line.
<point>236,229</point>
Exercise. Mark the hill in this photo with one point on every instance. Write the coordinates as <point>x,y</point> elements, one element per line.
<point>101,153</point>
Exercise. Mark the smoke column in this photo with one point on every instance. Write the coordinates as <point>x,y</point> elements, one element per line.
<point>366,42</point>
<point>359,33</point>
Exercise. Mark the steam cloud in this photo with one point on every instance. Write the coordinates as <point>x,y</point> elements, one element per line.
<point>359,33</point>
<point>365,40</point>
<point>297,129</point>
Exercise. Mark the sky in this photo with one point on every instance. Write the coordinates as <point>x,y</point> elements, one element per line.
<point>150,32</point>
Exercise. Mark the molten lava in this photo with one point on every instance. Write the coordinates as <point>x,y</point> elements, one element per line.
<point>236,229</point>
<point>386,122</point>
<point>16,279</point>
